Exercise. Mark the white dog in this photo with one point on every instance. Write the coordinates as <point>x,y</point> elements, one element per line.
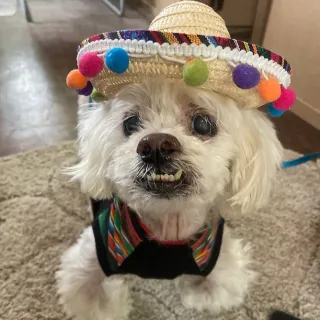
<point>211,152</point>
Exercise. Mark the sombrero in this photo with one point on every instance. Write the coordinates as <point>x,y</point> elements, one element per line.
<point>188,41</point>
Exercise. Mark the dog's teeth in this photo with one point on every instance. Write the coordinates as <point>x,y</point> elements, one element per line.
<point>165,177</point>
<point>178,175</point>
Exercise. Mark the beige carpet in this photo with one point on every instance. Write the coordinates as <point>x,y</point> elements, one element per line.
<point>41,215</point>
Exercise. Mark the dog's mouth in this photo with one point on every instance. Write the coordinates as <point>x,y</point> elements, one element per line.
<point>165,183</point>
<point>171,177</point>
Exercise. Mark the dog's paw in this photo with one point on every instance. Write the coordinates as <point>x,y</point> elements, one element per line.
<point>198,294</point>
<point>118,300</point>
<point>203,295</point>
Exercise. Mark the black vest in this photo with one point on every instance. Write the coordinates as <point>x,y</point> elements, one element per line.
<point>124,245</point>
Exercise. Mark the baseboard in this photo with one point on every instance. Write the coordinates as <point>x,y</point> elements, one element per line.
<point>307,112</point>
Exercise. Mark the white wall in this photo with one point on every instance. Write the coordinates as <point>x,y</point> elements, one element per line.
<point>293,31</point>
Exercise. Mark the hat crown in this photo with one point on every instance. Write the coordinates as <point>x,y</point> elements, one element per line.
<point>190,17</point>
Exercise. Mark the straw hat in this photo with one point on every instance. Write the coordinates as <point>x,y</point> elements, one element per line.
<point>188,41</point>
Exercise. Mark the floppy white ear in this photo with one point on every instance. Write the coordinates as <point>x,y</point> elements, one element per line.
<point>91,170</point>
<point>256,162</point>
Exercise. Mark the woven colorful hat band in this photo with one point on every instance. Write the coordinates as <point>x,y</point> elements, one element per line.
<point>202,55</point>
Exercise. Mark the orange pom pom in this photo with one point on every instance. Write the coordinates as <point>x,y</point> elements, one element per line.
<point>269,90</point>
<point>75,80</point>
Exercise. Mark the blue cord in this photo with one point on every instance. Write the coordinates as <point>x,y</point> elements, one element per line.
<point>303,159</point>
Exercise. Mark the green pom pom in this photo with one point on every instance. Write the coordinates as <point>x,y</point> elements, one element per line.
<point>195,72</point>
<point>97,96</point>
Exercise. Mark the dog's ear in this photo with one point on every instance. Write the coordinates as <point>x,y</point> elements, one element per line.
<point>90,171</point>
<point>256,162</point>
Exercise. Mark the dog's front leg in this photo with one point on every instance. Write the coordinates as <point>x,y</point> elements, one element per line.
<point>85,292</point>
<point>226,286</point>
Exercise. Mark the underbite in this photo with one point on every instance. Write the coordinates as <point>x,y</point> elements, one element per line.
<point>165,177</point>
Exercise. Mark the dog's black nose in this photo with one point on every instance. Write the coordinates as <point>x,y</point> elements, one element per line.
<point>158,148</point>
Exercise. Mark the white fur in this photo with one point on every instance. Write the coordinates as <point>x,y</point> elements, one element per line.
<point>84,290</point>
<point>236,165</point>
<point>226,286</point>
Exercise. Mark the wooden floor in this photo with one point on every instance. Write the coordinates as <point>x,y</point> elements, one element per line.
<point>296,134</point>
<point>36,108</point>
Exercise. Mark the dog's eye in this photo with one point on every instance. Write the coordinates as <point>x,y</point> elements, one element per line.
<point>131,124</point>
<point>204,125</point>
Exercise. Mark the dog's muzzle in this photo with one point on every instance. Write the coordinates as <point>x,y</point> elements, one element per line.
<point>158,153</point>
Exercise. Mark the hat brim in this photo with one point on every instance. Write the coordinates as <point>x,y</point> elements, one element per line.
<point>154,53</point>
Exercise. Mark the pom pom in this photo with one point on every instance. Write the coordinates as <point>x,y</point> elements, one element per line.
<point>245,76</point>
<point>195,72</point>
<point>75,80</point>
<point>117,60</point>
<point>90,64</point>
<point>286,100</point>
<point>97,96</point>
<point>273,112</point>
<point>269,90</point>
<point>86,91</point>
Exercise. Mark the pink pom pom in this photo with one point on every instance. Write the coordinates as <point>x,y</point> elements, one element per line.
<point>90,65</point>
<point>286,100</point>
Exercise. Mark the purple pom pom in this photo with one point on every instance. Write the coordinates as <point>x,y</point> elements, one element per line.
<point>86,91</point>
<point>245,76</point>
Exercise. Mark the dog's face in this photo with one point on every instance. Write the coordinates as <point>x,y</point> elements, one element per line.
<point>164,145</point>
